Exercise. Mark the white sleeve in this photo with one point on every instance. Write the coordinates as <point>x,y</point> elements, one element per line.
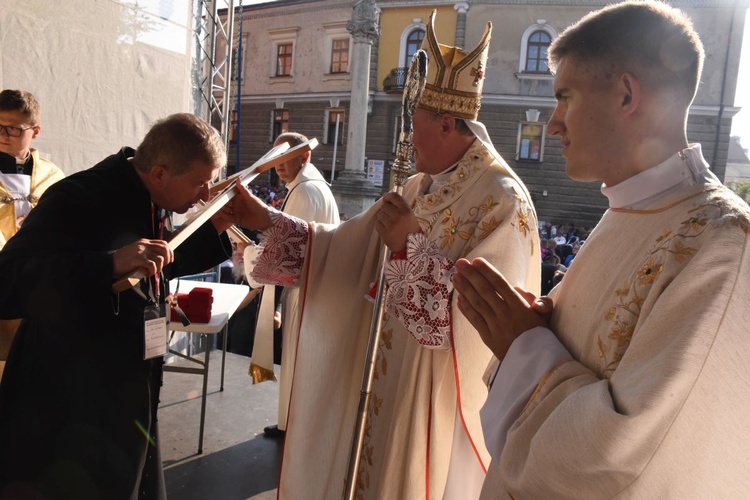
<point>530,357</point>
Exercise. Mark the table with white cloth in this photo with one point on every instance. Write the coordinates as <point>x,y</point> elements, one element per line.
<point>226,299</point>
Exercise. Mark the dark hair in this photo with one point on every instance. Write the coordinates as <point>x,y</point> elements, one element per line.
<point>177,142</point>
<point>461,126</point>
<point>23,101</point>
<point>653,41</point>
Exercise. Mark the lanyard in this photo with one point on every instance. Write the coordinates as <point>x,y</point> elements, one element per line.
<point>157,231</point>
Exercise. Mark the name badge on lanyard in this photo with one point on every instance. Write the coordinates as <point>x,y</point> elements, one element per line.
<point>154,331</point>
<point>155,319</point>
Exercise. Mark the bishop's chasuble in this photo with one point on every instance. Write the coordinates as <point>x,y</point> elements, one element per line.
<point>423,438</point>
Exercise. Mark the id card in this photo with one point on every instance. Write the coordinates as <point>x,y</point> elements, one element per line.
<point>154,331</point>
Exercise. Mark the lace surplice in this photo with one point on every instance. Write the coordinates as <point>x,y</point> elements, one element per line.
<point>418,285</point>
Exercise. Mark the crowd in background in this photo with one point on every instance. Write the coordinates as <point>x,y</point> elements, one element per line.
<point>560,244</point>
<point>271,195</point>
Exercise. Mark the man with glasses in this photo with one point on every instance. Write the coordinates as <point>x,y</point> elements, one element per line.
<point>24,176</point>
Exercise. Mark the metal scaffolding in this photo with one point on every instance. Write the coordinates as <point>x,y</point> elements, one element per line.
<point>212,70</point>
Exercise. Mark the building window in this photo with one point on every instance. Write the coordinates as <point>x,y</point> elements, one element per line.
<point>329,132</point>
<point>340,56</point>
<point>536,52</point>
<point>530,145</point>
<point>284,53</point>
<point>279,123</point>
<point>535,42</point>
<point>413,44</point>
<point>233,125</point>
<point>336,50</point>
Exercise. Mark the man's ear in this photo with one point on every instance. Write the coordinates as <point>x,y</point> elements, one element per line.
<point>448,123</point>
<point>36,130</point>
<point>630,91</point>
<point>158,175</point>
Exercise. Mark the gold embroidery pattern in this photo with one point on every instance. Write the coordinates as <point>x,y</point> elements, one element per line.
<point>523,214</point>
<point>468,166</point>
<point>473,225</point>
<point>632,294</point>
<point>452,228</point>
<point>447,102</point>
<point>368,447</point>
<point>671,252</point>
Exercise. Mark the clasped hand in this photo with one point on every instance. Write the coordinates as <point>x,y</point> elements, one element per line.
<point>498,311</point>
<point>394,221</point>
<point>150,256</point>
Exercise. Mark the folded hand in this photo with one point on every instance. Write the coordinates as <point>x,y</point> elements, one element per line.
<point>498,311</point>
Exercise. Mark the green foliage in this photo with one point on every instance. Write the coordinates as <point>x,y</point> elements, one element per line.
<point>742,188</point>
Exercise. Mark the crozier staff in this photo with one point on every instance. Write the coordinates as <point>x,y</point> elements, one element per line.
<point>424,437</point>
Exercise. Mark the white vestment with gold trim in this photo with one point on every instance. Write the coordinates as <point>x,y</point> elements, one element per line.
<point>425,403</point>
<point>654,400</point>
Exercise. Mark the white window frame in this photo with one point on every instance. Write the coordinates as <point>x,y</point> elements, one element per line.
<point>335,32</point>
<point>417,24</point>
<point>281,37</point>
<point>279,106</point>
<point>327,123</point>
<point>541,25</point>
<point>541,146</point>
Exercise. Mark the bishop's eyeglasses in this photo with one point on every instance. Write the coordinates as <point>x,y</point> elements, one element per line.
<point>13,131</point>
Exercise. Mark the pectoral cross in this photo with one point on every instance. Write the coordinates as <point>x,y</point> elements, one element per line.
<point>477,73</point>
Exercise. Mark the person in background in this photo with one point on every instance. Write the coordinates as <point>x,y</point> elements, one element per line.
<point>309,197</point>
<point>550,267</point>
<point>241,326</point>
<point>544,248</point>
<point>24,176</point>
<point>576,246</point>
<point>630,380</point>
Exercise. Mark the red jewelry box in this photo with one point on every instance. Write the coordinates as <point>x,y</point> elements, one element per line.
<point>196,305</point>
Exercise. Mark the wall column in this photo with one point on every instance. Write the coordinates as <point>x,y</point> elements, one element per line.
<point>462,8</point>
<point>354,193</point>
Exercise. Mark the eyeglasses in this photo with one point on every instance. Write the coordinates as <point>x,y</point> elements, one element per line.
<point>13,131</point>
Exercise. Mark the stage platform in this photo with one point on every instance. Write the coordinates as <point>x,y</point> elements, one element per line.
<point>237,462</point>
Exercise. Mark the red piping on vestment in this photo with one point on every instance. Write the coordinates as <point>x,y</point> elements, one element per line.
<point>429,437</point>
<point>458,401</point>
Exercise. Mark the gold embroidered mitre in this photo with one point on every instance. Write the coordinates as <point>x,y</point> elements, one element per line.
<point>454,77</point>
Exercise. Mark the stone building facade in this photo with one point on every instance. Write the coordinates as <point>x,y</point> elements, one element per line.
<point>517,98</point>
